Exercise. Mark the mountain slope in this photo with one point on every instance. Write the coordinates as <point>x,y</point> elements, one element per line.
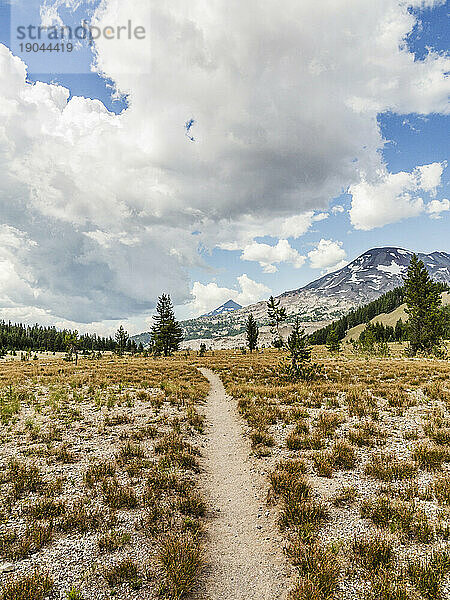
<point>388,319</point>
<point>377,271</point>
<point>226,308</point>
<point>326,299</point>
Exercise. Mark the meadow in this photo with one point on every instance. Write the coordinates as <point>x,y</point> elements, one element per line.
<point>98,479</point>
<point>100,474</point>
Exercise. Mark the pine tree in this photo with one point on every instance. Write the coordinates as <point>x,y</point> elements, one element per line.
<point>423,300</point>
<point>72,343</point>
<point>252,333</point>
<point>167,333</point>
<point>333,342</point>
<point>277,315</point>
<point>298,347</point>
<point>121,340</point>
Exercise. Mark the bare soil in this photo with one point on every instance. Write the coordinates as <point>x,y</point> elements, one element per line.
<point>244,559</point>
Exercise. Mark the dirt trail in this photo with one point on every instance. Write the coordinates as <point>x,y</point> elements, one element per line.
<point>245,559</point>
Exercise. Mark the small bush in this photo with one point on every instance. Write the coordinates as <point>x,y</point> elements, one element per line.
<point>345,496</point>
<point>118,496</point>
<point>35,586</point>
<point>442,489</point>
<point>387,468</point>
<point>180,559</point>
<point>328,422</point>
<point>113,540</point>
<point>98,471</point>
<point>398,515</point>
<point>427,575</point>
<point>123,571</point>
<point>373,552</point>
<point>313,441</point>
<point>430,457</point>
<point>343,455</point>
<point>319,571</point>
<point>323,464</point>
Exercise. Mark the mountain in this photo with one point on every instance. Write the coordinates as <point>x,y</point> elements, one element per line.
<point>226,308</point>
<point>326,299</point>
<point>377,271</point>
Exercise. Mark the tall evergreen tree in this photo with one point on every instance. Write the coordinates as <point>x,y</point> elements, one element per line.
<point>277,315</point>
<point>122,339</point>
<point>333,342</point>
<point>167,333</point>
<point>252,333</point>
<point>298,346</point>
<point>423,299</point>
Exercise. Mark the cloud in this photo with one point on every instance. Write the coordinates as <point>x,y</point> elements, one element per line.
<point>393,196</point>
<point>328,255</point>
<point>436,207</point>
<point>430,176</point>
<point>268,256</point>
<point>110,203</point>
<point>210,296</point>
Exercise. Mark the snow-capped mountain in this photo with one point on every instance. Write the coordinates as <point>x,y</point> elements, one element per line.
<point>328,298</point>
<point>226,308</point>
<point>375,272</point>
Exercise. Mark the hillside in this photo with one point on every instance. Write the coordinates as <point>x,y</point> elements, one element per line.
<point>388,319</point>
<point>319,303</point>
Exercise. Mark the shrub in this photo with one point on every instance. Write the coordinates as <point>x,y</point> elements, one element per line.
<point>343,455</point>
<point>35,586</point>
<point>387,468</point>
<point>398,515</point>
<point>323,464</point>
<point>373,552</point>
<point>442,489</point>
<point>430,457</point>
<point>121,572</point>
<point>181,560</point>
<point>427,575</point>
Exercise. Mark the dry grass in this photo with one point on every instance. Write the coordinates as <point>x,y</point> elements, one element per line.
<point>371,420</point>
<point>87,455</point>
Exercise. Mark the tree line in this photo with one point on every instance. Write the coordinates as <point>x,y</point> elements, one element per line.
<point>36,338</point>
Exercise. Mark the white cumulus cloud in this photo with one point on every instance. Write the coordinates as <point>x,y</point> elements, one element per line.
<point>436,207</point>
<point>117,205</point>
<point>393,196</point>
<point>210,296</point>
<point>269,256</point>
<point>328,255</point>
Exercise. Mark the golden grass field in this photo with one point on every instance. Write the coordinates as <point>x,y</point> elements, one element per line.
<point>99,474</point>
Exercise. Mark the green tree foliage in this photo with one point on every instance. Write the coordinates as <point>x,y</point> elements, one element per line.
<point>333,342</point>
<point>384,304</point>
<point>298,345</point>
<point>423,299</point>
<point>166,333</point>
<point>299,365</point>
<point>445,320</point>
<point>72,343</point>
<point>277,315</point>
<point>16,336</point>
<point>373,341</point>
<point>122,339</point>
<point>252,333</point>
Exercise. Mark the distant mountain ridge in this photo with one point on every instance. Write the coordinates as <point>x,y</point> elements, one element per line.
<point>227,307</point>
<point>377,271</point>
<point>326,299</point>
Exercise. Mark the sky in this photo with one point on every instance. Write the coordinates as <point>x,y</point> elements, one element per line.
<point>317,130</point>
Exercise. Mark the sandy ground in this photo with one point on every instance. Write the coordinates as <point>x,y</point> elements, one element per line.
<point>245,559</point>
